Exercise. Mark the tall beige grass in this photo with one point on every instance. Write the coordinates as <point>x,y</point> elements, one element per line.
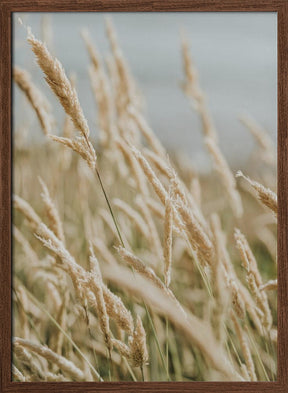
<point>168,283</point>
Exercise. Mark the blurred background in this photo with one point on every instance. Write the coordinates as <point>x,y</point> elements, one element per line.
<point>235,53</point>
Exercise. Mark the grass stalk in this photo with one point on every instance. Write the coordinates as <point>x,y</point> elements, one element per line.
<point>42,308</point>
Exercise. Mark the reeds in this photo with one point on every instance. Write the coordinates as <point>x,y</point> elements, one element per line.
<point>61,86</point>
<point>264,194</point>
<point>253,278</point>
<point>167,246</point>
<point>153,289</point>
<point>64,364</point>
<point>193,91</point>
<point>36,98</point>
<point>52,212</point>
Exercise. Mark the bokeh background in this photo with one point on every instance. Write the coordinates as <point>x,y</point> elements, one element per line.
<point>235,53</point>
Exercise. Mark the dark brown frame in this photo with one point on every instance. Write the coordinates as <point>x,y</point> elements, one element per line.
<point>7,7</point>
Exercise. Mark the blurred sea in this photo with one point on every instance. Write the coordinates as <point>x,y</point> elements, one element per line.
<point>235,53</point>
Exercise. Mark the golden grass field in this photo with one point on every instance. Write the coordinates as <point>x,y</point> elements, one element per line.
<point>128,264</point>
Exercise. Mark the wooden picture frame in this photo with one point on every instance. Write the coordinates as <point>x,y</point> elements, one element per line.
<point>7,8</point>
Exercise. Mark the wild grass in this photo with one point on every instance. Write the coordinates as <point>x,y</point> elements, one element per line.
<point>128,265</point>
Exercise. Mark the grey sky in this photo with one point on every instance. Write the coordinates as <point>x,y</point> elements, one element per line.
<point>236,55</point>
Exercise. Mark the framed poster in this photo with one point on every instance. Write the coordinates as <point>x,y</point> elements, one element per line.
<point>143,196</point>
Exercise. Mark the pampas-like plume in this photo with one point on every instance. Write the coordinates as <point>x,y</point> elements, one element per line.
<point>264,194</point>
<point>217,267</point>
<point>101,249</point>
<point>133,215</point>
<point>93,53</point>
<point>117,310</point>
<point>141,268</point>
<point>107,219</point>
<point>134,165</point>
<point>162,165</point>
<point>136,353</point>
<point>36,98</point>
<point>167,247</point>
<point>68,130</point>
<point>26,358</point>
<point>125,89</point>
<point>237,301</point>
<point>147,132</point>
<point>60,85</point>
<point>251,307</point>
<point>194,92</point>
<point>28,250</point>
<point>147,272</point>
<point>23,307</point>
<point>50,240</point>
<point>198,239</point>
<point>177,185</point>
<point>247,257</point>
<point>269,285</point>
<point>245,348</point>
<point>155,182</point>
<point>32,217</point>
<point>139,354</point>
<point>53,295</point>
<point>153,235</point>
<point>253,277</point>
<point>195,189</point>
<point>218,270</point>
<point>64,364</point>
<point>155,207</point>
<point>102,94</point>
<point>241,297</point>
<point>113,303</point>
<point>179,191</point>
<point>150,174</point>
<point>52,212</point>
<point>263,140</point>
<point>122,348</point>
<point>198,332</point>
<point>101,89</point>
<point>95,284</point>
<point>68,263</point>
<point>226,177</point>
<point>58,338</point>
<point>79,145</point>
<point>115,307</point>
